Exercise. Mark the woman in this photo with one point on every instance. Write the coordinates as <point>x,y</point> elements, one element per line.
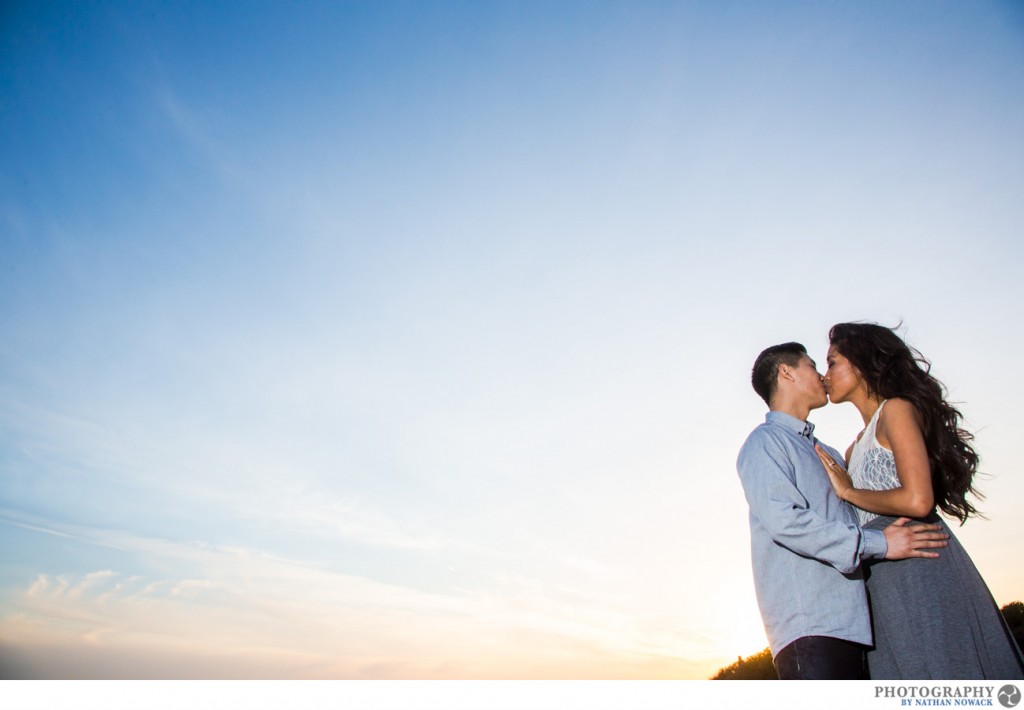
<point>933,619</point>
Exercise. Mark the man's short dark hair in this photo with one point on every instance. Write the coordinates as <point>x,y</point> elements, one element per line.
<point>765,374</point>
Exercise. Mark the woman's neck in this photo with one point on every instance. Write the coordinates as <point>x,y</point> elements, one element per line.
<point>866,404</point>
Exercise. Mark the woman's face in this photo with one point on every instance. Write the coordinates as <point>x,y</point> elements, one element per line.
<point>841,378</point>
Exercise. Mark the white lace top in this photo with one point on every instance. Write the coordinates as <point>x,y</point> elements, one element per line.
<point>872,466</point>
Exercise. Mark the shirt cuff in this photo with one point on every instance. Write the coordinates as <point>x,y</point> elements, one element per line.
<point>873,545</point>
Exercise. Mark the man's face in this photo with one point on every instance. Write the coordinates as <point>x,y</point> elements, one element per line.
<point>807,383</point>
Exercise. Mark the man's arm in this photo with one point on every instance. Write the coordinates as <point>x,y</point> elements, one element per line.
<point>905,541</point>
<point>902,541</point>
<point>767,476</point>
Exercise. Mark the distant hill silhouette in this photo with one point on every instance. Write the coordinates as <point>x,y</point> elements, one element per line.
<point>760,667</point>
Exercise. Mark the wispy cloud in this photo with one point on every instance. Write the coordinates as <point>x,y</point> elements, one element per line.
<point>238,485</point>
<point>352,626</point>
<point>196,129</point>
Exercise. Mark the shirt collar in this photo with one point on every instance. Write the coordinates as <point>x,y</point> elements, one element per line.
<point>788,421</point>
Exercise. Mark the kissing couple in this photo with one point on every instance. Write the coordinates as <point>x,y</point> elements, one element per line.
<point>856,574</point>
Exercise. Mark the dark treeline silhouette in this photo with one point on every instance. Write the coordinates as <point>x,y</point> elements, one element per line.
<point>756,667</point>
<point>760,667</point>
<point>1014,615</point>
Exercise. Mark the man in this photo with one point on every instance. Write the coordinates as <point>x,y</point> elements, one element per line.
<point>806,544</point>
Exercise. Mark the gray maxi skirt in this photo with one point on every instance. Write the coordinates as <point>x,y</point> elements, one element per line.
<point>935,619</point>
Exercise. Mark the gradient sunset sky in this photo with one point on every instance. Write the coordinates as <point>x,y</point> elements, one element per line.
<point>412,339</point>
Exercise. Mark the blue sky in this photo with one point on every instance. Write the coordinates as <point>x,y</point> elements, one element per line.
<point>411,340</point>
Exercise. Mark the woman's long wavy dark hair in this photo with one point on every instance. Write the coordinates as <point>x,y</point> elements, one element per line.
<point>891,368</point>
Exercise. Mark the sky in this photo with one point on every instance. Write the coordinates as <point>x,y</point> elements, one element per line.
<point>411,340</point>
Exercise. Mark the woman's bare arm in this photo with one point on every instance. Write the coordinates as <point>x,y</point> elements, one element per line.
<point>898,430</point>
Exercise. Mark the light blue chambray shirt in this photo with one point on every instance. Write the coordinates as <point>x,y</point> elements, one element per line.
<point>805,542</point>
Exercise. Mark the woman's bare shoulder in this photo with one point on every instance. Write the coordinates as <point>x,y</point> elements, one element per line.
<point>898,414</point>
<point>898,408</point>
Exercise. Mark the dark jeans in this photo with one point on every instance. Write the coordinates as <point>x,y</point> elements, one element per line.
<point>821,658</point>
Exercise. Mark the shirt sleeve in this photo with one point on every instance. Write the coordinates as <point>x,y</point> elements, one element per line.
<point>767,474</point>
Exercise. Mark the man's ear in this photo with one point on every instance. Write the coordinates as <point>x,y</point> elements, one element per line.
<point>786,372</point>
